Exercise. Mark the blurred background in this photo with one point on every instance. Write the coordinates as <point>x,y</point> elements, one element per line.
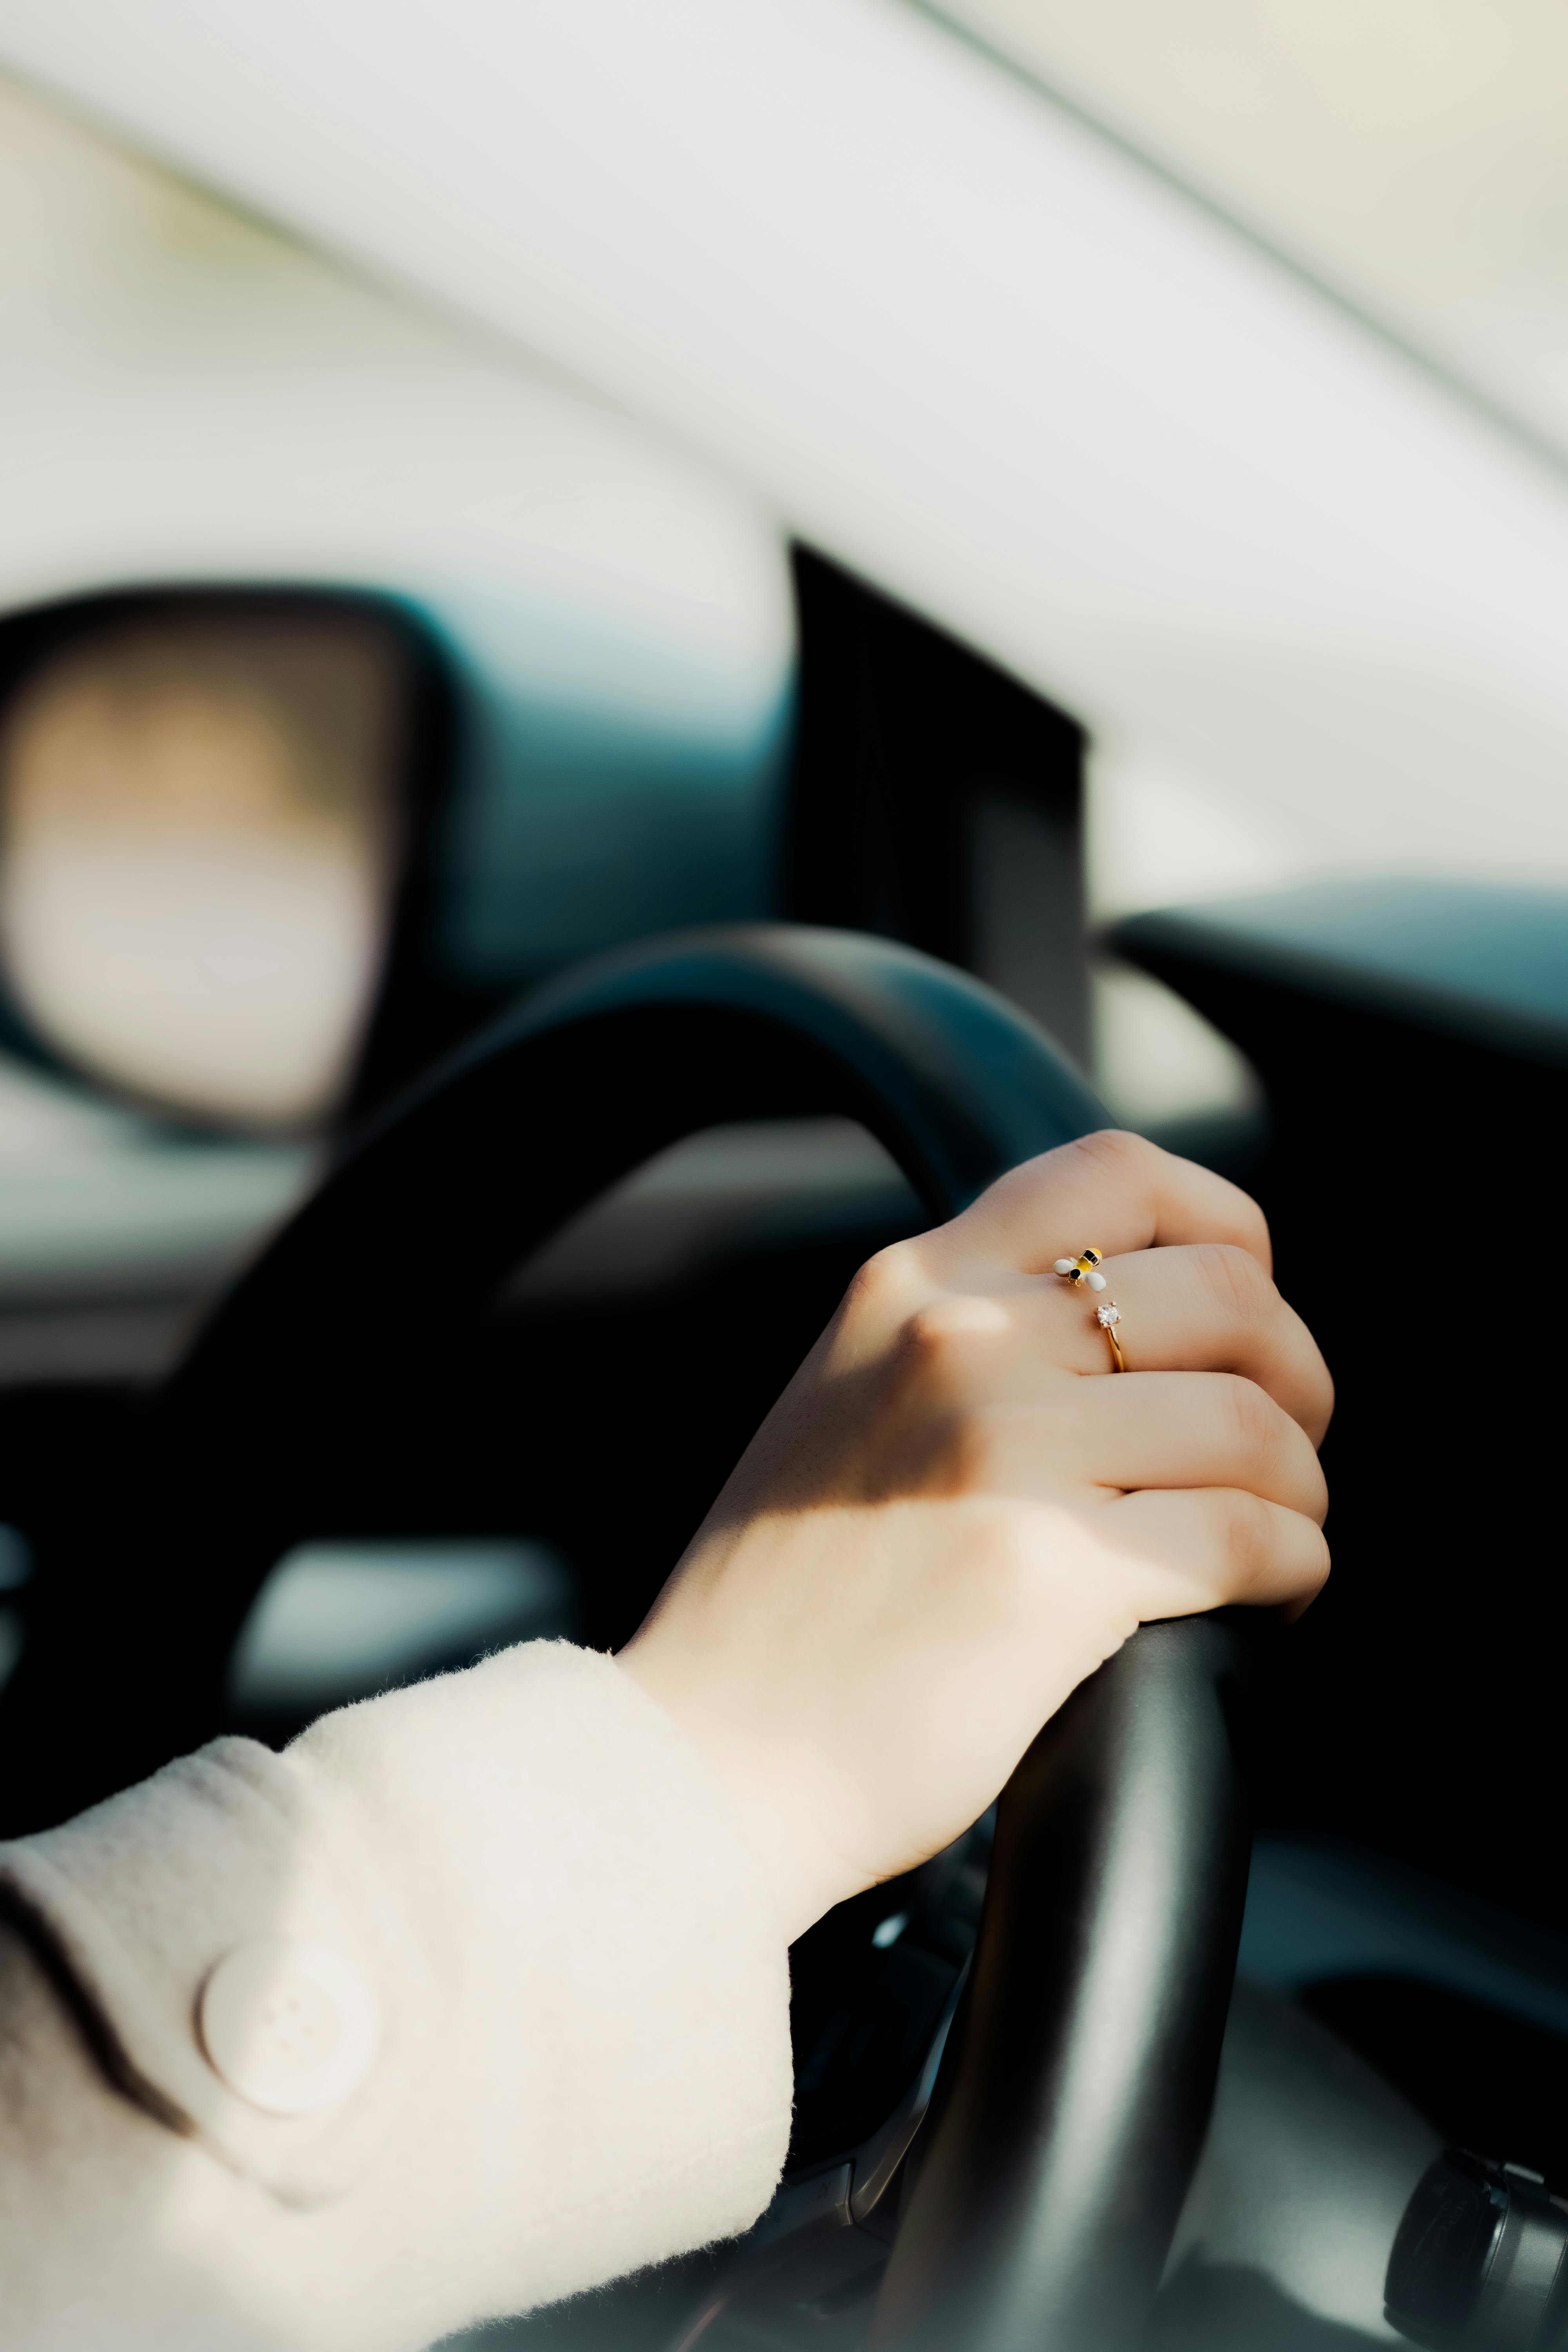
<point>552,714</point>
<point>205,805</point>
<point>193,392</point>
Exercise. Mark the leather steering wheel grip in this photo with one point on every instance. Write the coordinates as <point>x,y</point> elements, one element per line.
<point>1075,2088</point>
<point>1075,2108</point>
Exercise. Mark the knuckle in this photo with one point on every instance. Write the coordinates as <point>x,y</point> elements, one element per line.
<point>933,1372</point>
<point>1236,1283</point>
<point>1116,1150</point>
<point>1268,1552</point>
<point>883,1283</point>
<point>1254,1418</point>
<point>1120,1163</point>
<point>931,1336</point>
<point>951,1332</point>
<point>1250,1537</point>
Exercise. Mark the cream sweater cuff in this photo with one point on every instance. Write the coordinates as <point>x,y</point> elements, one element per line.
<point>548,2039</point>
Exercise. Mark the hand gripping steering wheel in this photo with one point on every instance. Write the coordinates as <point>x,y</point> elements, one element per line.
<point>1079,2084</point>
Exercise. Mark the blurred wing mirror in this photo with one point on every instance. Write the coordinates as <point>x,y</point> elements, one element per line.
<point>205,805</point>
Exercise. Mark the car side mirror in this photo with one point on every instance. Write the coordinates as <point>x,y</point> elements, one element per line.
<point>205,805</point>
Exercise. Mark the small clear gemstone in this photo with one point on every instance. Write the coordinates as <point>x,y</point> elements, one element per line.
<point>1108,1314</point>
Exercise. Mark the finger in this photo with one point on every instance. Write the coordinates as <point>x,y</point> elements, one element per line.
<point>1114,1190</point>
<point>1207,1546</point>
<point>1187,1429</point>
<point>1204,1308</point>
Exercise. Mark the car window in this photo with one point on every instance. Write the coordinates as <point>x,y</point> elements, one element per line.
<point>1410,152</point>
<point>1409,155</point>
<point>621,653</point>
<point>197,835</point>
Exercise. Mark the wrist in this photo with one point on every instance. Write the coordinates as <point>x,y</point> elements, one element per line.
<point>803,1876</point>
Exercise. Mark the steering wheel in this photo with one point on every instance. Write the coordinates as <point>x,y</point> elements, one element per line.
<point>1077,2083</point>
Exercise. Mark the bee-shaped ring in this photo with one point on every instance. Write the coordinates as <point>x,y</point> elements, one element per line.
<point>1084,1269</point>
<point>1083,1273</point>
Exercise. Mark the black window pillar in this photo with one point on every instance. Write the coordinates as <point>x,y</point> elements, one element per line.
<point>935,800</point>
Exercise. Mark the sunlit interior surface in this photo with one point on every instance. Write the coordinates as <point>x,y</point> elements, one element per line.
<point>338,1621</point>
<point>196,837</point>
<point>1412,151</point>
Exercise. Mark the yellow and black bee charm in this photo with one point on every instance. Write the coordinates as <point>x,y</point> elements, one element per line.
<point>1083,1270</point>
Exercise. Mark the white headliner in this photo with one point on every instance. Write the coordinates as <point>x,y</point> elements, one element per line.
<point>951,335</point>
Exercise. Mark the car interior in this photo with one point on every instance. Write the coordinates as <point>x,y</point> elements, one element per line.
<point>1404,1959</point>
<point>393,1071</point>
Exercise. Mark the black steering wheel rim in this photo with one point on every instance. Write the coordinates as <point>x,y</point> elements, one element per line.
<point>1123,1827</point>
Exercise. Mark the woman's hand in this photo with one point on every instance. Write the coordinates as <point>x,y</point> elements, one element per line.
<point>956,1510</point>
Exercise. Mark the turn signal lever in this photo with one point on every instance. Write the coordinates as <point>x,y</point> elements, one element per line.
<point>1480,2262</point>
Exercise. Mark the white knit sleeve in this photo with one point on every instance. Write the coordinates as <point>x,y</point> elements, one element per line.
<point>469,2000</point>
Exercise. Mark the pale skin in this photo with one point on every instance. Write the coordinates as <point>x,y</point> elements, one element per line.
<point>957,1510</point>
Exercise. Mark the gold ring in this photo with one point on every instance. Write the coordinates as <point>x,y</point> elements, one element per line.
<point>1083,1271</point>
